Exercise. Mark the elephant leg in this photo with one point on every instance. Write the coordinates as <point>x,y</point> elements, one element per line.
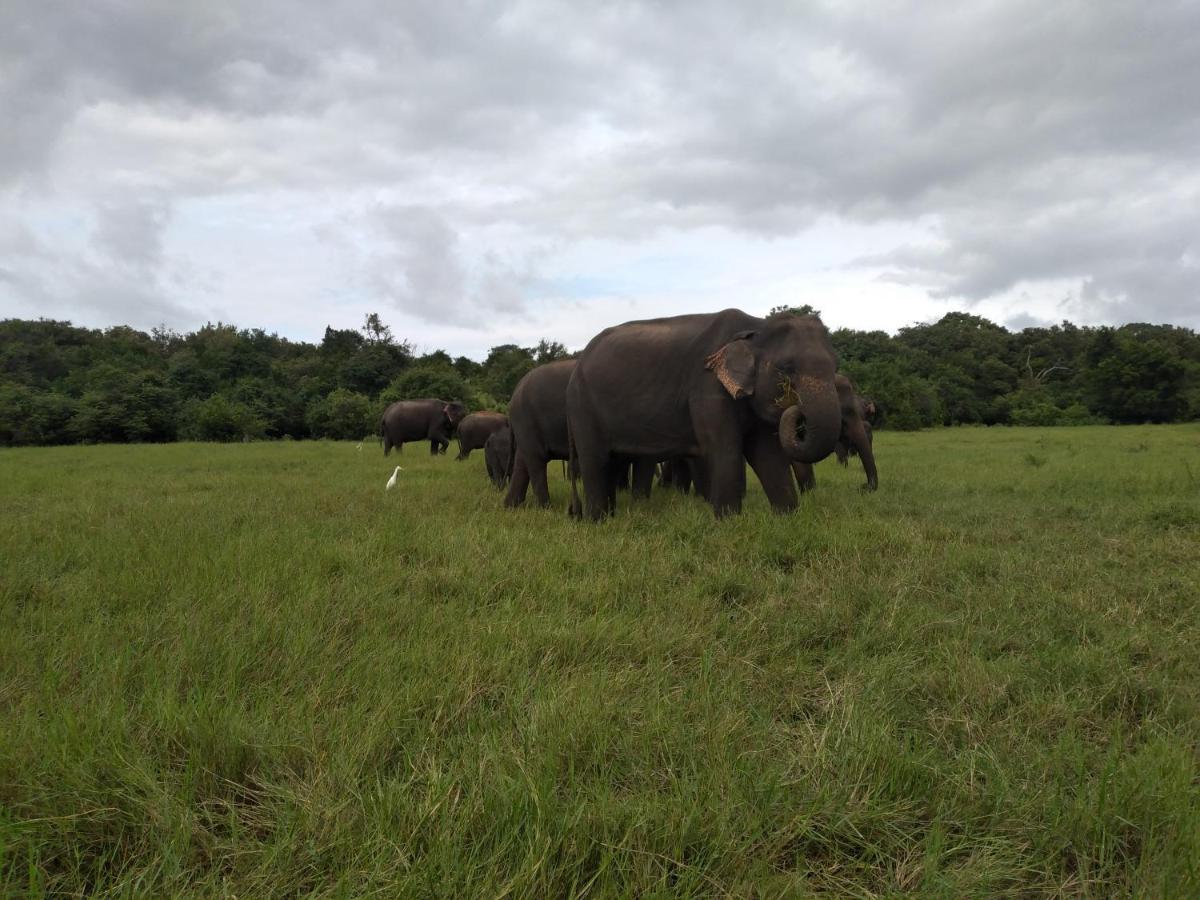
<point>594,471</point>
<point>518,484</point>
<point>433,447</point>
<point>805,479</point>
<point>727,482</point>
<point>462,454</point>
<point>643,478</point>
<point>860,440</point>
<point>619,473</point>
<point>537,477</point>
<point>771,465</point>
<point>685,474</point>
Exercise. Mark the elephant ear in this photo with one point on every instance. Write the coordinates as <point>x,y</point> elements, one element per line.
<point>735,365</point>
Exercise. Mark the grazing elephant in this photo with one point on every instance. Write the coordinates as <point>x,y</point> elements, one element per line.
<point>497,456</point>
<point>474,430</point>
<point>420,420</point>
<point>537,415</point>
<point>854,439</point>
<point>727,387</point>
<point>682,473</point>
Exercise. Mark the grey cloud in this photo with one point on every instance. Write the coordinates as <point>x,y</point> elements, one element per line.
<point>116,277</point>
<point>130,233</point>
<point>419,268</point>
<point>1047,141</point>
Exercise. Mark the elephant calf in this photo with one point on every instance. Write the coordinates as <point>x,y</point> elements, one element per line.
<point>475,429</point>
<point>537,415</point>
<point>497,456</point>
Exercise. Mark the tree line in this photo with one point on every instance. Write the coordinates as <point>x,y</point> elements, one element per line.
<point>60,383</point>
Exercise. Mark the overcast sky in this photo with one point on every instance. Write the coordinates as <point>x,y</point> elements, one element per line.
<point>480,173</point>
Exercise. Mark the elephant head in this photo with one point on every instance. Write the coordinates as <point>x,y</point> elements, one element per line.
<point>454,412</point>
<point>785,370</point>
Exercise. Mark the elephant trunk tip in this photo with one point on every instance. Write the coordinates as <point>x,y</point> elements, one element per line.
<point>803,437</point>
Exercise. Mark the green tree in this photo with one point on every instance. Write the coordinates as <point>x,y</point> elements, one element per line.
<point>504,367</point>
<point>803,309</point>
<point>439,382</point>
<point>1136,376</point>
<point>343,415</point>
<point>218,418</point>
<point>125,407</point>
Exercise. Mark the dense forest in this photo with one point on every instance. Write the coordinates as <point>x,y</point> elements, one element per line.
<point>63,384</point>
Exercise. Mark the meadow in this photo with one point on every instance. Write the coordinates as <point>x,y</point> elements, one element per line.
<point>250,670</point>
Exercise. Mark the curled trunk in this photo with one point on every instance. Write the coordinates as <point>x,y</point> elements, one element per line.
<point>809,429</point>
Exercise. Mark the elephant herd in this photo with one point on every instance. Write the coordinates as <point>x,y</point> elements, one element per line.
<point>690,399</point>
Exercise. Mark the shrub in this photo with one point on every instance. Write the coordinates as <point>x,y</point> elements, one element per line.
<point>343,415</point>
<point>219,419</point>
<point>439,381</point>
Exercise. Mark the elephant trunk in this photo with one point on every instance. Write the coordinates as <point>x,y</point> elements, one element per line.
<point>809,429</point>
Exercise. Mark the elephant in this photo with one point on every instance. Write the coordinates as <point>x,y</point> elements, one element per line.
<point>537,416</point>
<point>682,473</point>
<point>854,439</point>
<point>474,430</point>
<point>634,474</point>
<point>420,420</point>
<point>727,387</point>
<point>497,456</point>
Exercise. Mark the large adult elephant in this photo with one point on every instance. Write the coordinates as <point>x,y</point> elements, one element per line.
<point>420,420</point>
<point>854,439</point>
<point>537,415</point>
<point>726,387</point>
<point>474,430</point>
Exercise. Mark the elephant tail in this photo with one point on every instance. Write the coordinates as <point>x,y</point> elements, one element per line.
<point>575,510</point>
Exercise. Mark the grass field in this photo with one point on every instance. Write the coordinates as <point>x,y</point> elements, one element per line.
<point>250,670</point>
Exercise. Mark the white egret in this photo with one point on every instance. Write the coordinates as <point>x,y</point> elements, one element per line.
<point>392,481</point>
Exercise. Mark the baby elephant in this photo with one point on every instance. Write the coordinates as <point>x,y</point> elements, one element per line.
<point>474,430</point>
<point>497,456</point>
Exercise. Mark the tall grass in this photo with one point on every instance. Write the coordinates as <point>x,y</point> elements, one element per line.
<point>250,670</point>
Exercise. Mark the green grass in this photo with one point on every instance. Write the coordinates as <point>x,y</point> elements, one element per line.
<point>250,670</point>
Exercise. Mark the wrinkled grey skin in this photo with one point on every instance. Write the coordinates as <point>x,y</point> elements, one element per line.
<point>537,416</point>
<point>497,456</point>
<point>474,430</point>
<point>420,420</point>
<point>854,439</point>
<point>727,387</point>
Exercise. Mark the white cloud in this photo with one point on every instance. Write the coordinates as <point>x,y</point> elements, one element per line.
<point>484,173</point>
